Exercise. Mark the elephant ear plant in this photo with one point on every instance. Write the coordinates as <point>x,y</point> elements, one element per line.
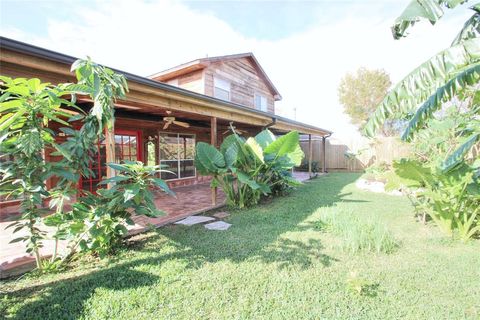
<point>246,169</point>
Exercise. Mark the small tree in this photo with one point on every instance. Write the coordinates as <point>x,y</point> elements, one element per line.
<point>361,92</point>
<point>28,109</point>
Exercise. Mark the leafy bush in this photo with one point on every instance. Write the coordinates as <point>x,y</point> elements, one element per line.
<point>451,199</point>
<point>304,166</point>
<point>97,222</point>
<point>246,169</point>
<point>358,235</point>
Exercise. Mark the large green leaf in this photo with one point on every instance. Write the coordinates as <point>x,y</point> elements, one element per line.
<point>417,10</point>
<point>265,138</point>
<point>209,157</point>
<point>255,148</point>
<point>422,82</point>
<point>245,179</point>
<point>466,78</point>
<point>231,155</point>
<point>413,170</point>
<point>284,145</point>
<point>227,142</point>
<point>296,156</point>
<point>457,156</point>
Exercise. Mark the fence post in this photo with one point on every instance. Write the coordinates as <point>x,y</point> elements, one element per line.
<point>324,160</point>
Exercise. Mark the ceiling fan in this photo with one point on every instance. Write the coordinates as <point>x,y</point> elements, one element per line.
<point>240,132</point>
<point>170,120</point>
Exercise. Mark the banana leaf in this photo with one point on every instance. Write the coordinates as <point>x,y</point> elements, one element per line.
<point>471,28</point>
<point>466,78</point>
<point>431,10</point>
<point>423,82</point>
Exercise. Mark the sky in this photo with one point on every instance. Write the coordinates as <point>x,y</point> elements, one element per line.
<point>305,47</point>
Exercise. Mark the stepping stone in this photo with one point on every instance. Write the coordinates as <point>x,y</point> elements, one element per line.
<point>218,225</point>
<point>190,221</point>
<point>221,215</point>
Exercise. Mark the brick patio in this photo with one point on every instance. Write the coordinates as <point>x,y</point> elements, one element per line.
<point>190,200</point>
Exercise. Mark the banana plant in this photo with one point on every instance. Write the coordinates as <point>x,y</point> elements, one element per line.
<point>448,74</point>
<point>451,199</point>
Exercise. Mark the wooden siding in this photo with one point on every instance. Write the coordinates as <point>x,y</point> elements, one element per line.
<point>147,98</point>
<point>192,81</point>
<point>244,80</point>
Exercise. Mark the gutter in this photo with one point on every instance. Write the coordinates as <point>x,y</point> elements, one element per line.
<point>274,121</point>
<point>18,46</point>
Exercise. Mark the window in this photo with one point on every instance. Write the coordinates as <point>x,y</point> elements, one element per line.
<point>221,89</point>
<point>260,102</point>
<point>127,147</point>
<point>177,153</point>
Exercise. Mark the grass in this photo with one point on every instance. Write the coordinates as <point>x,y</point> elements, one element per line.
<point>273,263</point>
<point>358,233</point>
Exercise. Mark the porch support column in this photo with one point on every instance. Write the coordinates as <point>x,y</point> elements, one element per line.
<point>110,151</point>
<point>310,151</point>
<point>213,142</point>
<point>324,160</point>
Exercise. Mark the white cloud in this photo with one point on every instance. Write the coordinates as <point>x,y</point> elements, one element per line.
<point>145,37</point>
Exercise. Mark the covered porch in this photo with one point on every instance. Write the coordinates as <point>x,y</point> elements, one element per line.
<point>157,124</point>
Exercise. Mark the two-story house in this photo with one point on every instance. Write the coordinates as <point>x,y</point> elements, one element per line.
<point>166,114</point>
<point>237,78</point>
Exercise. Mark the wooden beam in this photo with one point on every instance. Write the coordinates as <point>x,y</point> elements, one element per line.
<point>310,152</point>
<point>213,142</point>
<point>213,131</point>
<point>110,151</point>
<point>324,160</point>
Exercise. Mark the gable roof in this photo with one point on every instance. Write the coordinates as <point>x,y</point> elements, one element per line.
<point>202,63</point>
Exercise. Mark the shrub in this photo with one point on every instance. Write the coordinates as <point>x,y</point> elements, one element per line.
<point>358,235</point>
<point>304,166</point>
<point>246,169</point>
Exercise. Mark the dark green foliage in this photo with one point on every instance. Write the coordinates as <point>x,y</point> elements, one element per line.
<point>97,222</point>
<point>29,108</point>
<point>248,169</point>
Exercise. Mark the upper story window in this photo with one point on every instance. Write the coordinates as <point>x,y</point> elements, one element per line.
<point>221,89</point>
<point>261,102</point>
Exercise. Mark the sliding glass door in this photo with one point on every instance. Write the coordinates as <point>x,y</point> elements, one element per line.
<point>176,154</point>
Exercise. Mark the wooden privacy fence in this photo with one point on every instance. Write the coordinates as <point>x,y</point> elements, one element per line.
<point>385,149</point>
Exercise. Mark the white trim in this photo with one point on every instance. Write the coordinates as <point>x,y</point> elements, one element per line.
<point>262,98</point>
<point>221,84</point>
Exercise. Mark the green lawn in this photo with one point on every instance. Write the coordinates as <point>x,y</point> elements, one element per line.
<point>275,262</point>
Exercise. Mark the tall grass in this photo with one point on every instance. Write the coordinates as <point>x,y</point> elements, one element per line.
<point>358,234</point>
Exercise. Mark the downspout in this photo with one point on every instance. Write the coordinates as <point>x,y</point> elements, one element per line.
<point>274,121</point>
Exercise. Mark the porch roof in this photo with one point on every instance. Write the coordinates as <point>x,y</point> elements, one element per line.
<point>146,94</point>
